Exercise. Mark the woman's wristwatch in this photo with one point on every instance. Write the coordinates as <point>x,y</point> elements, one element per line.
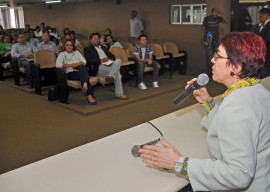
<point>178,165</point>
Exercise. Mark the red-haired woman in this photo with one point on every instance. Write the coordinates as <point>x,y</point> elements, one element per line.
<point>238,128</point>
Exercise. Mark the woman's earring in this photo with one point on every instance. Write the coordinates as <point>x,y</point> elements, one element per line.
<point>232,74</point>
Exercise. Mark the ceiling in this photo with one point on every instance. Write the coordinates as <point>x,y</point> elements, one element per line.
<point>37,2</point>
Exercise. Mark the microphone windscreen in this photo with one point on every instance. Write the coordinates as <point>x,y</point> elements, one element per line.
<point>202,79</point>
<point>135,150</point>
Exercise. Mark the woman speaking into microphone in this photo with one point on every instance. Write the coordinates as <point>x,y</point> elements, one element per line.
<point>238,129</point>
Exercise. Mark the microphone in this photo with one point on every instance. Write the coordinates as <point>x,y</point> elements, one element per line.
<point>202,80</point>
<point>135,150</point>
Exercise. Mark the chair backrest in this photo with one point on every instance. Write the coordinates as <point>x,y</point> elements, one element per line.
<point>158,41</point>
<point>45,58</point>
<point>129,52</point>
<point>133,40</point>
<point>158,51</point>
<point>126,44</point>
<point>119,53</point>
<point>170,47</point>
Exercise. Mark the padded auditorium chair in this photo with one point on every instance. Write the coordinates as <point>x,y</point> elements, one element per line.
<point>4,67</point>
<point>179,56</point>
<point>162,58</point>
<point>43,69</point>
<point>128,63</point>
<point>64,85</point>
<point>126,44</point>
<point>17,71</point>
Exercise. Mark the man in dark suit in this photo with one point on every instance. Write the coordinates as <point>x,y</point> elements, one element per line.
<point>264,16</point>
<point>101,62</point>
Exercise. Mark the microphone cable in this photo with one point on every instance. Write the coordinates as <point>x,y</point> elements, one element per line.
<point>135,149</point>
<point>155,127</point>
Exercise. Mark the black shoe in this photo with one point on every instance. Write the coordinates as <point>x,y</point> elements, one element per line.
<point>109,79</point>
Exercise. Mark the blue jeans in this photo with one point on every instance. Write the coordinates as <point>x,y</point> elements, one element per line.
<point>140,70</point>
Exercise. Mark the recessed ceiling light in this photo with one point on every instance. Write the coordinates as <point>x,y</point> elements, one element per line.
<point>54,1</point>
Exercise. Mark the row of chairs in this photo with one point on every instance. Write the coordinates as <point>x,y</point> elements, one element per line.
<point>166,54</point>
<point>44,65</point>
<point>161,50</point>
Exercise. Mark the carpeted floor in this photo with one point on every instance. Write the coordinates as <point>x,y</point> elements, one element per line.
<point>33,128</point>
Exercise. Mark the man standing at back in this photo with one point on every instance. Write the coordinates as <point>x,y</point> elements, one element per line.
<point>136,26</point>
<point>210,35</point>
<point>264,17</point>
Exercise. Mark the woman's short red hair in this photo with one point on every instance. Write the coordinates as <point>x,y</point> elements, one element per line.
<point>247,50</point>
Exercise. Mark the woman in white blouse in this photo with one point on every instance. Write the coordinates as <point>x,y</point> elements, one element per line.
<point>74,64</point>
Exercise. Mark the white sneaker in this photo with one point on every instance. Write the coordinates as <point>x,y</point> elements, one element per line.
<point>155,84</point>
<point>142,86</point>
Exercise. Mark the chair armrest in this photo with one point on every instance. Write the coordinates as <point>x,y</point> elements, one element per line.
<point>15,70</point>
<point>182,51</point>
<point>133,59</point>
<point>169,54</point>
<point>36,77</point>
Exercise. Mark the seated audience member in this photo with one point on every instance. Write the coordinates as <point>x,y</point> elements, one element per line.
<point>30,39</point>
<point>2,31</point>
<point>54,33</point>
<point>24,51</point>
<point>101,62</point>
<point>109,42</point>
<point>13,34</point>
<point>5,47</point>
<point>47,29</point>
<point>27,28</point>
<point>55,40</point>
<point>106,32</point>
<point>74,63</point>
<point>61,45</point>
<point>46,44</point>
<point>5,51</point>
<point>76,41</point>
<point>42,27</point>
<point>38,32</point>
<point>66,31</point>
<point>144,54</point>
<point>63,34</point>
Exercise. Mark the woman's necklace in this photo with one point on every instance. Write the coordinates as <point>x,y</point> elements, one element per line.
<point>247,82</point>
<point>69,56</point>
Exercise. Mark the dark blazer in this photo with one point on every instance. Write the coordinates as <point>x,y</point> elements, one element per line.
<point>92,58</point>
<point>265,34</point>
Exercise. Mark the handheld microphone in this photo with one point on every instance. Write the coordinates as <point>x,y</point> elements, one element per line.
<point>202,80</point>
<point>135,150</point>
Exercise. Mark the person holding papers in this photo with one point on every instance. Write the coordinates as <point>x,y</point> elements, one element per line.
<point>238,128</point>
<point>74,63</point>
<point>101,62</point>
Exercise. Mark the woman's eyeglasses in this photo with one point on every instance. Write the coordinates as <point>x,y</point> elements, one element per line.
<point>217,56</point>
<point>69,45</point>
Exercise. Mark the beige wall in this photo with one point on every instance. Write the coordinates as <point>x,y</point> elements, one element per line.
<point>89,17</point>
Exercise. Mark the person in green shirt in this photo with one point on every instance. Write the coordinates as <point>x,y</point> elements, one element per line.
<point>5,50</point>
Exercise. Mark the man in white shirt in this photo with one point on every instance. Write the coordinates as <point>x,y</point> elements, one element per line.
<point>101,62</point>
<point>136,26</point>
